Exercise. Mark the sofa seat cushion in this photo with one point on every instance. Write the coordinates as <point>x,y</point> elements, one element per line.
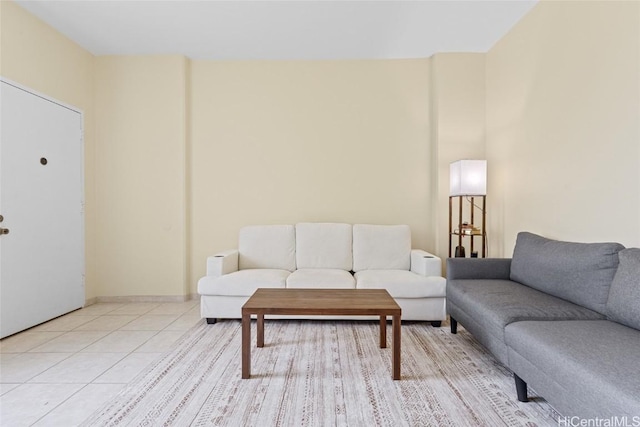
<point>318,278</point>
<point>497,303</point>
<point>587,368</point>
<point>401,283</point>
<point>243,283</point>
<point>578,272</point>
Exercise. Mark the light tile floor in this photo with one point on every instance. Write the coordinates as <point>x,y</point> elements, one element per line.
<point>60,372</point>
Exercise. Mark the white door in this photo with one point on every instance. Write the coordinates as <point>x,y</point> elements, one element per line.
<point>41,203</point>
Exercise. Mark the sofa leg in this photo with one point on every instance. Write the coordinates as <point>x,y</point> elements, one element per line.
<point>521,389</point>
<point>454,325</point>
<point>436,323</point>
<point>211,320</point>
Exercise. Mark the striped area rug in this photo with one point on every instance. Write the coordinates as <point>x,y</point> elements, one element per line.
<point>323,373</point>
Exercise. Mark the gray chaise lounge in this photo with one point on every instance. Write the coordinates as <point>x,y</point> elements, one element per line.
<point>564,317</point>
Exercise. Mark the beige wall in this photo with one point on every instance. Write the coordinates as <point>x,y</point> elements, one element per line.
<point>563,134</point>
<point>286,142</point>
<point>458,130</point>
<point>140,175</point>
<point>37,56</point>
<point>180,154</point>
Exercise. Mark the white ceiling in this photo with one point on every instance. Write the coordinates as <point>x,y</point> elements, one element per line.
<point>296,29</point>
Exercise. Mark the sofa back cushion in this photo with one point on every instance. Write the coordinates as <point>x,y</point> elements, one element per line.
<point>381,247</point>
<point>624,297</point>
<point>577,272</point>
<point>324,245</point>
<point>267,246</point>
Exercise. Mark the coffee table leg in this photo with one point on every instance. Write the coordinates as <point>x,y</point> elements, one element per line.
<point>383,331</point>
<point>396,347</point>
<point>246,346</point>
<point>260,330</point>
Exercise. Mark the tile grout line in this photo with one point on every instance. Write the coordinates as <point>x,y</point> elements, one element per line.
<point>77,391</point>
<point>180,331</point>
<point>52,409</point>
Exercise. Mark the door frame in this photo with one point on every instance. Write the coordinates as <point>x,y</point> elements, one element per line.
<point>82,166</point>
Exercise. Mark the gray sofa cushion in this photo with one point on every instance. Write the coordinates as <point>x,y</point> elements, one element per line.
<point>493,304</point>
<point>624,297</point>
<point>584,368</point>
<point>478,268</point>
<point>578,272</point>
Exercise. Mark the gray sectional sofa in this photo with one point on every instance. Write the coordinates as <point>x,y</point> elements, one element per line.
<point>564,317</point>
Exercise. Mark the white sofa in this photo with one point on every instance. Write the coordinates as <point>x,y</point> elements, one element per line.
<point>324,255</point>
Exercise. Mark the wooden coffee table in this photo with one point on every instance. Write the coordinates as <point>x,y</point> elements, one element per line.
<point>340,302</point>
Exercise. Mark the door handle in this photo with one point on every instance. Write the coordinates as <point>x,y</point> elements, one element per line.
<point>4,231</point>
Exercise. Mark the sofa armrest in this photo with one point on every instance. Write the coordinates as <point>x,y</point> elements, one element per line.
<point>222,263</point>
<point>478,268</point>
<point>425,264</point>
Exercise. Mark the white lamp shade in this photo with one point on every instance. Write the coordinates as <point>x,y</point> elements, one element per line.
<point>468,178</point>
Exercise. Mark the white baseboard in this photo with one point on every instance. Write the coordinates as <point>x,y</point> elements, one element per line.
<point>140,298</point>
<point>90,301</point>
